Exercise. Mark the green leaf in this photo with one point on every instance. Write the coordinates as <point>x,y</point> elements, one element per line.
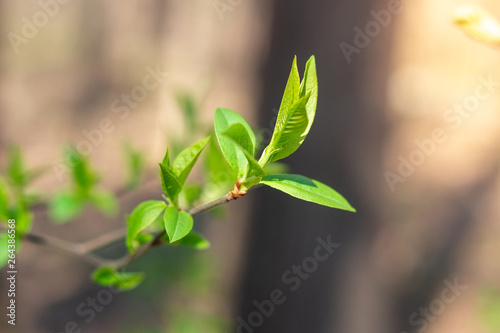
<point>295,116</point>
<point>4,254</point>
<point>254,168</point>
<point>288,132</point>
<point>23,217</point>
<point>105,276</point>
<point>309,86</point>
<point>65,206</point>
<point>142,216</point>
<point>195,240</point>
<point>276,167</point>
<point>223,120</point>
<point>217,170</point>
<point>105,201</point>
<point>177,223</point>
<point>4,200</point>
<point>169,181</point>
<point>108,277</point>
<point>4,245</point>
<point>166,159</point>
<point>185,161</point>
<point>143,238</point>
<point>292,89</point>
<point>84,178</point>
<point>307,189</point>
<point>239,134</point>
<point>191,193</point>
<point>15,167</point>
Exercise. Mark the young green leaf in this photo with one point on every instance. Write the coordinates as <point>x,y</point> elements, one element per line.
<point>15,167</point>
<point>169,181</point>
<point>190,193</point>
<point>65,206</point>
<point>84,178</point>
<point>166,159</point>
<point>239,134</point>
<point>185,161</point>
<point>23,217</point>
<point>177,223</point>
<point>218,174</point>
<point>276,167</point>
<point>104,201</point>
<point>223,120</point>
<point>142,216</point>
<point>288,132</point>
<point>107,277</point>
<point>295,116</point>
<point>4,200</point>
<point>195,240</point>
<point>292,89</point>
<point>307,189</point>
<point>4,254</point>
<point>254,168</point>
<point>217,170</point>
<point>309,86</point>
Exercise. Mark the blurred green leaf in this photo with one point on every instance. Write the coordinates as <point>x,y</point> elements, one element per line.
<point>108,277</point>
<point>217,170</point>
<point>84,178</point>
<point>23,217</point>
<point>105,201</point>
<point>142,238</point>
<point>177,223</point>
<point>490,309</point>
<point>195,240</point>
<point>307,189</point>
<point>4,254</point>
<point>187,322</point>
<point>65,206</point>
<point>4,200</point>
<point>142,216</point>
<point>276,168</point>
<point>16,168</point>
<point>191,193</point>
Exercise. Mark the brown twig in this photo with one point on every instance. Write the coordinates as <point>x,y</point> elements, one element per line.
<point>85,250</point>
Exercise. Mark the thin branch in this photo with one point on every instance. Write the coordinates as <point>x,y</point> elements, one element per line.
<point>84,250</point>
<point>68,247</point>
<point>208,206</point>
<point>128,258</point>
<point>104,240</point>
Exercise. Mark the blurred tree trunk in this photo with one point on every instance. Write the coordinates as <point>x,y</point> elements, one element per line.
<point>343,150</point>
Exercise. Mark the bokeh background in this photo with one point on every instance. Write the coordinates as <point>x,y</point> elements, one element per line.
<point>412,237</point>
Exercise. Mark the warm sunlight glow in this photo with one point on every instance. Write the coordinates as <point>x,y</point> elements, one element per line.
<point>478,24</point>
